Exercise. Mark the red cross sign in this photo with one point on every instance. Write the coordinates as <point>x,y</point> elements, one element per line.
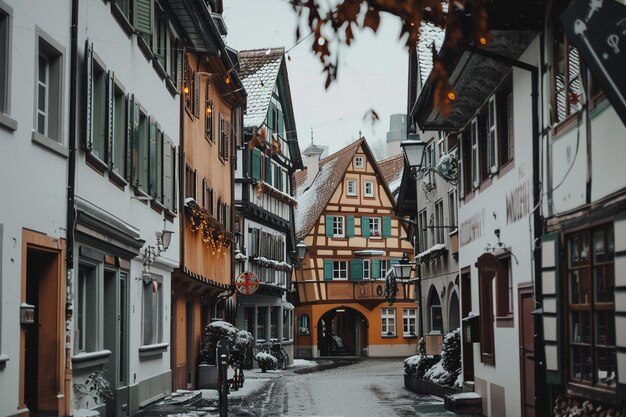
<point>247,283</point>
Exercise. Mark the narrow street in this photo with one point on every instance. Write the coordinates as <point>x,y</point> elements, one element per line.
<point>374,387</point>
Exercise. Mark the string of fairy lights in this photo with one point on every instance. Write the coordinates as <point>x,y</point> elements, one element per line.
<point>213,233</point>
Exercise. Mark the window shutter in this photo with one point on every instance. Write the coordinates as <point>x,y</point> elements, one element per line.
<point>365,226</point>
<point>135,143</point>
<point>270,117</point>
<point>159,160</point>
<point>268,170</point>
<point>386,226</point>
<point>168,169</point>
<point>88,90</point>
<point>375,268</point>
<point>152,159</point>
<point>350,226</point>
<point>329,226</point>
<point>195,184</point>
<point>620,307</point>
<point>226,139</point>
<point>110,117</point>
<point>130,120</point>
<point>196,94</point>
<point>550,275</point>
<point>281,123</point>
<point>328,270</point>
<point>356,270</point>
<point>142,16</point>
<point>256,164</point>
<point>393,261</point>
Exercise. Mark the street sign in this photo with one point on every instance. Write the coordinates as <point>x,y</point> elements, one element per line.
<point>247,283</point>
<point>597,28</point>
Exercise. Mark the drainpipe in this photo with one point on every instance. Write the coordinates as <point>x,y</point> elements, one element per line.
<point>541,405</point>
<point>71,211</point>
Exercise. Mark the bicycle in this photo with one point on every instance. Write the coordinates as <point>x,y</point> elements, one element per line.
<point>236,362</point>
<point>281,355</point>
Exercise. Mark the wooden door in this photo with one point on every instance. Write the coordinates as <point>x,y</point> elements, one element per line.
<point>466,307</point>
<point>527,351</point>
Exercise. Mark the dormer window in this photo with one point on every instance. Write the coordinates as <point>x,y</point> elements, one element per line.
<point>368,189</point>
<point>359,162</point>
<point>351,188</point>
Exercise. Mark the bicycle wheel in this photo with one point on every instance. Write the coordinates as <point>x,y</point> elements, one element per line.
<point>285,357</point>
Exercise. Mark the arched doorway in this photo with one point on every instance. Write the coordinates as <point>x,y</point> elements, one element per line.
<point>342,331</point>
<point>435,312</point>
<point>454,315</point>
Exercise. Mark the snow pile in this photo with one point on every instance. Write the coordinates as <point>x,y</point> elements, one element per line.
<point>281,266</point>
<point>442,370</point>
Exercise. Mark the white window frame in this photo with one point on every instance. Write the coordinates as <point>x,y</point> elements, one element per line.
<point>388,322</point>
<point>359,162</point>
<point>339,226</point>
<point>85,314</point>
<point>383,267</point>
<point>441,145</point>
<point>475,149</point>
<point>366,269</point>
<point>340,270</point>
<point>376,231</point>
<point>52,53</point>
<point>6,17</point>
<point>439,222</point>
<point>351,189</point>
<point>461,181</point>
<point>492,139</point>
<point>43,86</point>
<point>370,192</point>
<point>409,321</point>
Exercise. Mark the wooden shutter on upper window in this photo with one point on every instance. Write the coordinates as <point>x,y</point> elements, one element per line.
<point>356,270</point>
<point>365,226</point>
<point>130,123</point>
<point>329,226</point>
<point>552,303</point>
<point>328,270</point>
<point>375,272</point>
<point>350,226</point>
<point>226,139</point>
<point>135,144</point>
<point>110,117</point>
<point>88,95</point>
<point>142,15</point>
<point>196,94</point>
<point>386,226</point>
<point>168,171</point>
<point>256,164</point>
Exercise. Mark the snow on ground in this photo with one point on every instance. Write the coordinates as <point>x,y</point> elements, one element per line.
<point>249,386</point>
<point>304,363</point>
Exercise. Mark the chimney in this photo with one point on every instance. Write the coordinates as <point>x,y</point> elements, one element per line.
<point>312,154</point>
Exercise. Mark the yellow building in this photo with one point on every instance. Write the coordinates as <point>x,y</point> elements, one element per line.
<point>345,217</point>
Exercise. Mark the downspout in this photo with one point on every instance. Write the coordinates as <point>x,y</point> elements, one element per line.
<point>540,378</point>
<point>71,210</point>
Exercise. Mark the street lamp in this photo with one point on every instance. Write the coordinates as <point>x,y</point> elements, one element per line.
<point>403,270</point>
<point>302,247</point>
<point>414,147</point>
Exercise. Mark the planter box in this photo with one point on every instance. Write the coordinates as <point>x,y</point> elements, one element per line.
<point>423,386</point>
<point>207,376</point>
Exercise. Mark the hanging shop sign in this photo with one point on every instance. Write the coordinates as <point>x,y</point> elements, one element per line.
<point>247,283</point>
<point>597,29</point>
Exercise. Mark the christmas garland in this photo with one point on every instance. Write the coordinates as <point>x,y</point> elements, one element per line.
<point>213,234</point>
<point>262,187</point>
<point>391,288</point>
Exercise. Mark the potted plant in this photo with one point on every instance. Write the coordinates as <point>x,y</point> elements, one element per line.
<point>95,388</point>
<point>213,333</point>
<point>266,361</point>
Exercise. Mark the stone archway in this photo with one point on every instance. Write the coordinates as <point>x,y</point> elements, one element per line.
<point>342,331</point>
<point>434,312</point>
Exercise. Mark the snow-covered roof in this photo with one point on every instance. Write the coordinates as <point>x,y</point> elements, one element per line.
<point>258,70</point>
<point>429,34</point>
<point>391,168</point>
<point>369,252</point>
<point>434,251</point>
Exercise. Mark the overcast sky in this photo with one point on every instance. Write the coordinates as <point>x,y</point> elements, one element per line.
<point>372,73</point>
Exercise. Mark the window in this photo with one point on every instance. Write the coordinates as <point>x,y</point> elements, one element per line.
<point>98,110</point>
<point>492,139</point>
<point>287,318</point>
<point>474,153</point>
<point>409,318</point>
<point>274,323</point>
<point>208,116</point>
<point>152,317</point>
<point>86,319</point>
<point>190,182</point>
<point>566,85</point>
<point>340,270</point>
<point>359,162</point>
<point>452,209</point>
<point>439,222</point>
<point>384,266</point>
<point>388,321</point>
<point>505,122</point>
<point>141,151</point>
<point>351,191</point>
<point>423,236</point>
<point>4,58</point>
<point>375,228</point>
<point>338,226</point>
<point>261,320</point>
<point>463,176</point>
<point>368,189</point>
<point>591,307</point>
<point>435,317</point>
<point>366,269</point>
<point>441,144</point>
<point>485,293</point>
<point>160,37</point>
<point>49,93</point>
<point>304,326</point>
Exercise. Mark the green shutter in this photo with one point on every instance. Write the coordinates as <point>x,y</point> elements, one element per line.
<point>110,117</point>
<point>153,165</point>
<point>356,270</point>
<point>88,96</point>
<point>142,16</point>
<point>256,164</point>
<point>329,226</point>
<point>365,226</point>
<point>135,144</point>
<point>386,226</point>
<point>328,270</point>
<point>393,261</point>
<point>281,123</point>
<point>375,272</point>
<point>270,117</point>
<point>268,170</point>
<point>130,126</point>
<point>350,226</point>
<point>168,171</point>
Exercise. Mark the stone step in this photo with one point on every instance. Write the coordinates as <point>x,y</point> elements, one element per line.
<point>464,402</point>
<point>182,397</point>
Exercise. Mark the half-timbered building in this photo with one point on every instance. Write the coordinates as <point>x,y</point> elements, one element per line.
<point>345,217</point>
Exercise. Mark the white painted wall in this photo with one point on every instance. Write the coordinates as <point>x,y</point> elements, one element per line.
<point>33,179</point>
<point>490,206</point>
